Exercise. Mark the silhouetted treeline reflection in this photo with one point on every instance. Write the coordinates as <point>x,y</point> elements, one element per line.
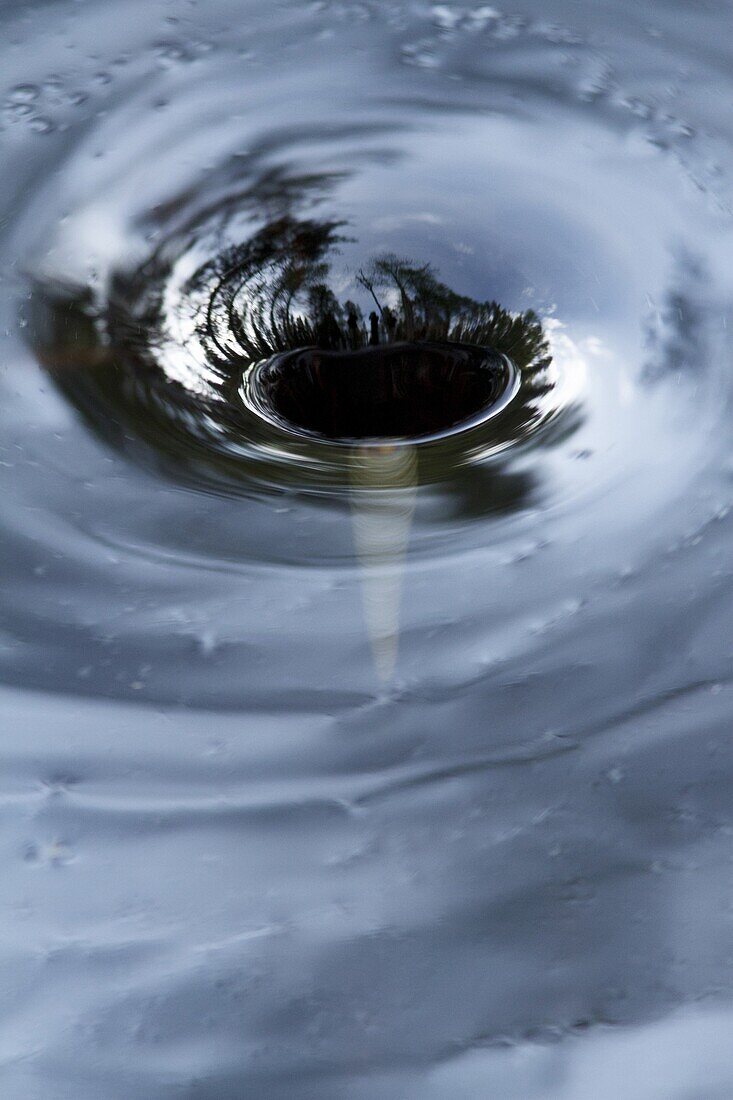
<point>275,296</point>
<point>400,348</point>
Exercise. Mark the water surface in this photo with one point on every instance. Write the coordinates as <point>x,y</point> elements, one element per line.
<point>335,771</point>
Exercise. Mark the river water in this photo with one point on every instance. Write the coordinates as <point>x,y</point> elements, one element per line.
<point>329,770</point>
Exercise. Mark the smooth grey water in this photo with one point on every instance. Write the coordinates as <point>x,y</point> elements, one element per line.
<point>330,771</point>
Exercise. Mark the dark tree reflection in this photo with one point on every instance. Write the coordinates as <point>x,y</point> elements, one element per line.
<point>159,372</point>
<point>274,296</point>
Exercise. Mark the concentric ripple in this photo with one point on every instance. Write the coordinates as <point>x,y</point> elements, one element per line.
<point>361,745</point>
<point>190,347</point>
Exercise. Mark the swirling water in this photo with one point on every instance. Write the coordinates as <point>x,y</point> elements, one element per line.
<point>329,772</point>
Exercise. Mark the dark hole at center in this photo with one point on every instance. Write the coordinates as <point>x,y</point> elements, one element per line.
<point>391,391</point>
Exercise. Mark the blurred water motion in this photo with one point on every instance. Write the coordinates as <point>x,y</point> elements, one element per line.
<point>384,482</point>
<point>371,749</point>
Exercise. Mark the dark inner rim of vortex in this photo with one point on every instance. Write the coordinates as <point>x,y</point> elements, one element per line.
<point>401,390</point>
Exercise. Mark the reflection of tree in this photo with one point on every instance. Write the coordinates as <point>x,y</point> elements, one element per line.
<point>118,360</point>
<point>273,295</point>
<point>426,309</point>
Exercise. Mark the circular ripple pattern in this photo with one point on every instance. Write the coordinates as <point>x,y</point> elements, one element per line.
<point>188,349</point>
<point>339,769</point>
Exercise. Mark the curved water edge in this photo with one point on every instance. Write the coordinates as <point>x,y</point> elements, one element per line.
<point>373,396</point>
<point>339,769</point>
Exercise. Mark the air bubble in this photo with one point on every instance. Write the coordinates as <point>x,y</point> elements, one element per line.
<point>42,125</point>
<point>19,110</point>
<point>24,93</point>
